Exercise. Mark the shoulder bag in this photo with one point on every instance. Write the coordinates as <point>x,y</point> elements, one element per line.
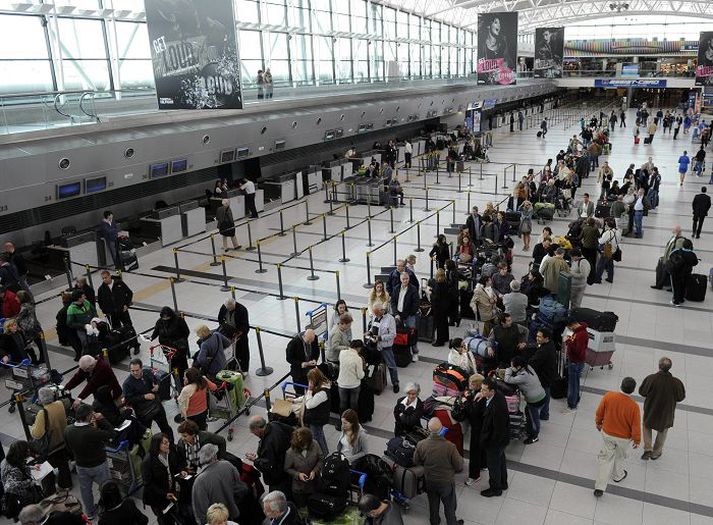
<point>41,447</point>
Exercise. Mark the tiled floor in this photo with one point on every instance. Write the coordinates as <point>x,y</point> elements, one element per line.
<point>551,481</point>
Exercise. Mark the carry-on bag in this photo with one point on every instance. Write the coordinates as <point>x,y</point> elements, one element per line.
<point>696,287</point>
<point>596,320</point>
<point>410,482</point>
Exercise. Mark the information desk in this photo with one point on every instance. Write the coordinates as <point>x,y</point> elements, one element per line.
<point>192,218</point>
<point>81,248</point>
<point>165,224</point>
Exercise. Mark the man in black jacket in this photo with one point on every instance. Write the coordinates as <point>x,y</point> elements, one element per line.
<point>235,324</point>
<point>701,205</point>
<point>114,297</point>
<point>141,392</point>
<point>494,437</point>
<point>87,443</point>
<point>474,222</point>
<point>275,438</point>
<point>394,280</point>
<point>404,305</point>
<point>544,362</point>
<point>302,353</point>
<point>18,261</point>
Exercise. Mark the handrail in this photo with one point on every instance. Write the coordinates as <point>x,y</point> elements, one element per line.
<point>57,108</point>
<point>84,96</point>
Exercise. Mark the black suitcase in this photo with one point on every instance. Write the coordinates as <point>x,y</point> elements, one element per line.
<point>334,398</point>
<point>696,286</point>
<point>365,410</point>
<point>466,312</point>
<point>402,355</point>
<point>513,219</point>
<point>326,507</point>
<point>647,140</point>
<point>164,385</point>
<point>129,262</point>
<point>425,328</point>
<point>596,320</point>
<point>602,210</point>
<point>117,349</point>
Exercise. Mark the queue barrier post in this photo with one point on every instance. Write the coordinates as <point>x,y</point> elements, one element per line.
<point>307,221</point>
<point>297,313</point>
<point>312,276</point>
<point>259,259</point>
<point>268,403</point>
<point>324,225</point>
<point>368,283</point>
<point>438,222</point>
<point>410,211</point>
<point>282,225</point>
<point>178,269</point>
<point>481,171</point>
<point>263,370</point>
<point>225,287</point>
<point>88,274</point>
<point>294,253</point>
<point>346,211</point>
<point>468,207</point>
<point>470,177</point>
<point>453,202</point>
<point>368,225</point>
<point>339,287</point>
<point>418,238</point>
<point>395,248</point>
<point>426,208</point>
<point>391,219</point>
<point>344,258</point>
<point>363,319</point>
<point>172,281</point>
<point>251,246</point>
<point>279,282</point>
<point>212,247</point>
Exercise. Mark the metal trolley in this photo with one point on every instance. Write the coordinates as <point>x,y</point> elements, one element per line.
<point>24,377</point>
<point>160,361</point>
<point>125,466</point>
<point>230,397</point>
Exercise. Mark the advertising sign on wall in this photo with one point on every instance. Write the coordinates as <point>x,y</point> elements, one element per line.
<point>704,71</point>
<point>194,54</point>
<point>640,83</point>
<point>497,48</point>
<point>549,50</point>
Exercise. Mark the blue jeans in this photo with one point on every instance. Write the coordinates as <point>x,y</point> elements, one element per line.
<point>388,355</point>
<point>545,408</point>
<point>349,398</point>
<point>318,435</point>
<point>533,418</point>
<point>638,219</point>
<point>87,476</point>
<point>605,264</point>
<point>574,373</point>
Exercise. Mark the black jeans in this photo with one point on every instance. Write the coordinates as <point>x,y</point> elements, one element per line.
<point>161,421</point>
<point>698,224</point>
<point>120,318</point>
<point>407,160</point>
<point>497,468</point>
<point>591,255</point>
<point>678,282</point>
<point>441,493</point>
<point>250,205</point>
<point>477,455</point>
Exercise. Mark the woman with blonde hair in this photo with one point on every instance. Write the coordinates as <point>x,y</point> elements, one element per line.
<point>378,294</point>
<point>303,461</point>
<point>317,406</point>
<point>526,214</point>
<point>218,515</point>
<point>352,442</point>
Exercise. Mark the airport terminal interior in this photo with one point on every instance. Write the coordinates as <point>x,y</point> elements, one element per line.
<point>346,136</point>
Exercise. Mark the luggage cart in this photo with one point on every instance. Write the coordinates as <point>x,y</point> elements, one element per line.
<point>25,377</point>
<point>318,321</point>
<point>160,361</point>
<point>125,466</point>
<point>229,399</point>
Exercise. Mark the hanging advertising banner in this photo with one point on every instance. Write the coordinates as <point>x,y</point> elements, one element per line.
<point>549,50</point>
<point>497,48</point>
<point>704,71</point>
<point>194,54</point>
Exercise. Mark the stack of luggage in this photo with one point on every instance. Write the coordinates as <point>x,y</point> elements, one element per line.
<point>404,342</point>
<point>334,485</point>
<point>602,340</point>
<point>407,479</point>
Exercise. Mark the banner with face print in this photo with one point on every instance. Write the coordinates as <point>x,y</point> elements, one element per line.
<point>704,71</point>
<point>497,48</point>
<point>194,54</point>
<point>549,50</point>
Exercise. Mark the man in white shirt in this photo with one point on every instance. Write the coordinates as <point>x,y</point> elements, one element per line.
<point>609,236</point>
<point>639,208</point>
<point>248,188</point>
<point>408,151</point>
<point>663,278</point>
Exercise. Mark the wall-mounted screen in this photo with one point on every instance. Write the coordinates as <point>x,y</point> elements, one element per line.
<point>227,156</point>
<point>329,135</point>
<point>243,152</point>
<point>177,166</point>
<point>64,191</point>
<point>279,145</point>
<point>158,170</point>
<point>95,185</point>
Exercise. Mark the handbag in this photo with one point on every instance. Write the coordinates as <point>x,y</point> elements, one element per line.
<point>616,256</point>
<point>41,447</point>
<point>62,503</point>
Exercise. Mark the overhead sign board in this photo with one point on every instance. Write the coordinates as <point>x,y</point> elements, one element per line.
<point>614,83</point>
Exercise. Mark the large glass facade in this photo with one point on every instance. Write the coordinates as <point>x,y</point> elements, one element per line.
<point>103,45</point>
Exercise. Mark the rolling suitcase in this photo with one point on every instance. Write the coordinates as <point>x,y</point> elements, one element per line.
<point>425,328</point>
<point>637,140</point>
<point>164,385</point>
<point>647,140</point>
<point>696,287</point>
<point>376,378</point>
<point>365,409</point>
<point>410,482</point>
<point>602,210</point>
<point>402,355</point>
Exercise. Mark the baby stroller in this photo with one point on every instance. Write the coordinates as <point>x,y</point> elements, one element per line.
<point>544,211</point>
<point>563,205</point>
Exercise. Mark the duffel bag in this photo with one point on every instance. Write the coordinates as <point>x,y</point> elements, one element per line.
<point>477,344</point>
<point>596,320</point>
<point>326,507</point>
<point>451,376</point>
<point>401,450</point>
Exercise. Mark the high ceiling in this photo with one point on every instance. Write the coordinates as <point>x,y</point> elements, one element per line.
<point>537,13</point>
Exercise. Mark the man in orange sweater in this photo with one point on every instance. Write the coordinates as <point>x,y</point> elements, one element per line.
<point>619,421</point>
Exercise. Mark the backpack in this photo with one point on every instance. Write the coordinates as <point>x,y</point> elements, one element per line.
<point>334,475</point>
<point>378,475</point>
<point>401,450</point>
<point>676,261</point>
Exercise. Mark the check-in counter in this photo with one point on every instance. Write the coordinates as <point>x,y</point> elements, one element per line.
<point>260,199</point>
<point>282,187</point>
<point>312,179</point>
<point>347,169</point>
<point>369,190</point>
<point>164,224</point>
<point>82,249</point>
<point>192,218</point>
<point>332,170</point>
<point>237,203</point>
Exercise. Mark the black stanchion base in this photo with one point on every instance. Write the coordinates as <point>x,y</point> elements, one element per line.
<point>215,263</point>
<point>263,270</point>
<point>264,371</point>
<point>344,260</point>
<point>419,250</point>
<point>251,248</point>
<point>313,277</point>
<point>370,245</point>
<point>308,223</point>
<point>368,285</point>
<point>282,234</point>
<point>427,209</point>
<point>225,288</point>
<point>179,279</point>
<point>294,254</point>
